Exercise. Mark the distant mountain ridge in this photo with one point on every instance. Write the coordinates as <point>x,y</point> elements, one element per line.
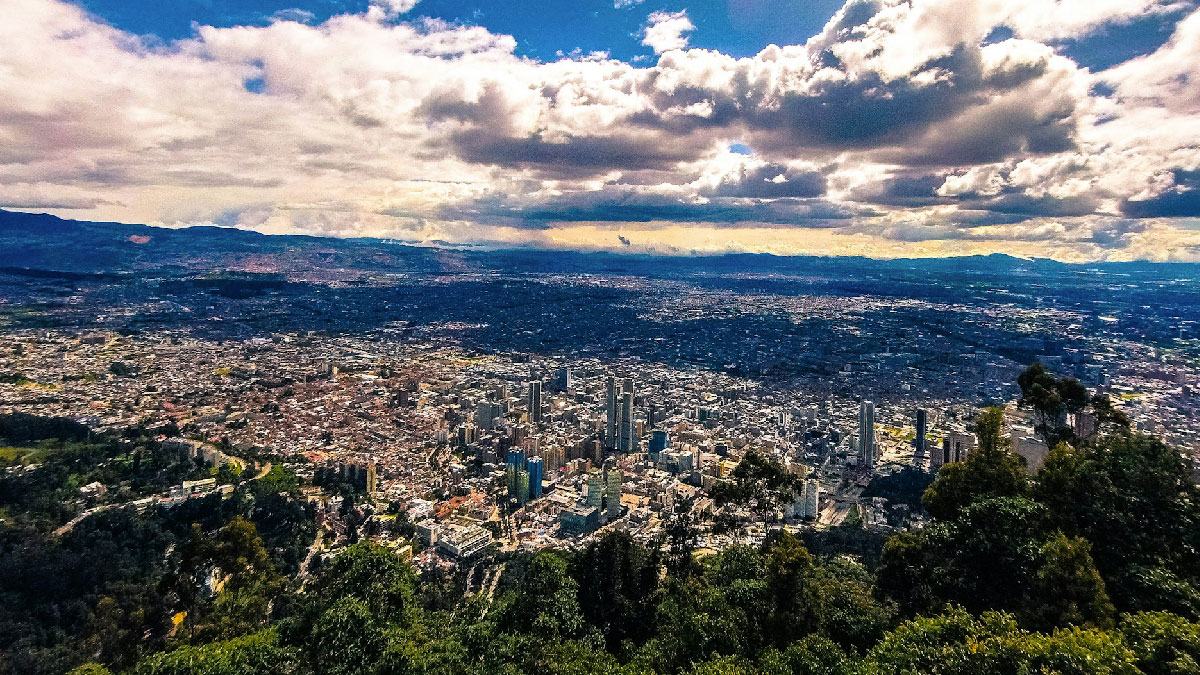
<point>43,241</point>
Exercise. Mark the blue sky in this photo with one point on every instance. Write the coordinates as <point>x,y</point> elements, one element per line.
<point>542,27</point>
<point>545,28</point>
<point>1060,128</point>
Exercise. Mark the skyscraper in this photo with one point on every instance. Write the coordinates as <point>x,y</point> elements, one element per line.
<point>562,379</point>
<point>919,443</point>
<point>610,433</point>
<point>626,433</point>
<point>595,489</point>
<point>612,493</point>
<point>658,443</point>
<point>516,458</point>
<point>534,402</point>
<point>534,467</point>
<point>866,433</point>
<point>625,439</point>
<point>518,484</point>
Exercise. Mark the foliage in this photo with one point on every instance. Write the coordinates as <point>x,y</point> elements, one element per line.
<point>1051,399</point>
<point>957,643</point>
<point>985,473</point>
<point>1134,499</point>
<point>257,654</point>
<point>758,483</point>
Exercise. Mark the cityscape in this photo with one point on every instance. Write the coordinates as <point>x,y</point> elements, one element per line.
<point>630,337</point>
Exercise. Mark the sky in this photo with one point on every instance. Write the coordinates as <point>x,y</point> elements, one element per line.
<point>1067,129</point>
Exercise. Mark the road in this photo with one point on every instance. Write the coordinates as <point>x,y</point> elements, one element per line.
<point>302,575</point>
<point>87,513</point>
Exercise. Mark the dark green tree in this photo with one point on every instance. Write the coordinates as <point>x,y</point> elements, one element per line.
<point>1067,589</point>
<point>989,471</point>
<point>794,599</point>
<point>1051,399</point>
<point>617,579</point>
<point>1135,500</point>
<point>546,604</point>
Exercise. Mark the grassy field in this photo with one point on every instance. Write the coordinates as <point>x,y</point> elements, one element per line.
<point>11,454</point>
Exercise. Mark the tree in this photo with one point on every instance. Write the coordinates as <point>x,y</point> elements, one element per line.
<point>1068,590</point>
<point>347,639</point>
<point>1165,644</point>
<point>681,537</point>
<point>811,655</point>
<point>617,578</point>
<point>956,643</point>
<point>257,654</point>
<point>990,471</point>
<point>850,616</point>
<point>1051,399</point>
<point>989,429</point>
<point>908,574</point>
<point>547,604</point>
<point>794,608</point>
<point>370,573</point>
<point>758,483</point>
<point>90,669</point>
<point>1134,499</point>
<point>248,583</point>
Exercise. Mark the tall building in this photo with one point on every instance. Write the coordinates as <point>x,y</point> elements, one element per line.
<point>534,467</point>
<point>658,443</point>
<point>812,498</point>
<point>534,402</point>
<point>562,379</point>
<point>553,458</point>
<point>518,484</point>
<point>610,434</point>
<point>595,489</point>
<point>516,458</point>
<point>920,443</point>
<point>612,493</point>
<point>604,491</point>
<point>626,433</point>
<point>486,414</point>
<point>866,433</point>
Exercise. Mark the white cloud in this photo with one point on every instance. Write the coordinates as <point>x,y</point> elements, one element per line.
<point>624,4</point>
<point>665,31</point>
<point>393,8</point>
<point>896,127</point>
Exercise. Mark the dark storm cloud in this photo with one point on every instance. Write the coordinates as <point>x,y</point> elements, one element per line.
<point>631,206</point>
<point>1019,203</point>
<point>911,190</point>
<point>1180,201</point>
<point>573,157</point>
<point>772,181</point>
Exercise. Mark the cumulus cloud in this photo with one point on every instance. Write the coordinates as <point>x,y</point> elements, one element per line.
<point>393,8</point>
<point>901,121</point>
<point>666,31</point>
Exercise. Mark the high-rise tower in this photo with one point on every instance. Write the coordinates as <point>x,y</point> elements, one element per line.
<point>534,402</point>
<point>610,432</point>
<point>866,433</point>
<point>920,443</point>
